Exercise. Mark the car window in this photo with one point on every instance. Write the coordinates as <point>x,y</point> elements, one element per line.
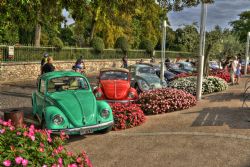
<point>114,75</point>
<point>67,83</point>
<point>42,86</point>
<point>146,70</point>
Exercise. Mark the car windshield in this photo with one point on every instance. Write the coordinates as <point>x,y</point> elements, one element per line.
<point>175,66</point>
<point>146,70</point>
<point>67,83</point>
<point>114,75</point>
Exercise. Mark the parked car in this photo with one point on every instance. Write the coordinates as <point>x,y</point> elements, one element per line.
<point>174,68</point>
<point>114,86</point>
<point>214,65</point>
<point>186,66</point>
<point>167,74</point>
<point>64,101</point>
<point>143,78</point>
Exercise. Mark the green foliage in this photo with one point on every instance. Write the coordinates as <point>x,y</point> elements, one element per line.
<point>122,44</point>
<point>98,44</point>
<point>242,26</point>
<point>231,46</point>
<point>57,42</point>
<point>147,45</point>
<point>44,39</point>
<point>187,38</point>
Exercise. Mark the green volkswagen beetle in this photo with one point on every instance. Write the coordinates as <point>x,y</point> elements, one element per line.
<point>64,101</point>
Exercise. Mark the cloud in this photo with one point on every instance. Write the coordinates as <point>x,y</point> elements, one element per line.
<point>220,13</point>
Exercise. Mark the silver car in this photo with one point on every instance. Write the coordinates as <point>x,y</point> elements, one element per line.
<point>143,78</point>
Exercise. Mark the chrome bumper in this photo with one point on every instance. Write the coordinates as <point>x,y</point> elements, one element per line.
<point>119,101</point>
<point>92,127</point>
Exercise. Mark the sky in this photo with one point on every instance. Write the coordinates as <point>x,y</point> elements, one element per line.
<point>220,13</point>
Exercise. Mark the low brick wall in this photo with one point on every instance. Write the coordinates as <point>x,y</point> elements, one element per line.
<point>27,71</point>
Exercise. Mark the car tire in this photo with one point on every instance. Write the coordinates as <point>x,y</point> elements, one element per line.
<point>43,126</point>
<point>106,130</point>
<point>137,88</point>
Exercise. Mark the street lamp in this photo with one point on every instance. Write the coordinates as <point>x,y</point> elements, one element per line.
<point>163,50</point>
<point>202,49</point>
<point>247,51</point>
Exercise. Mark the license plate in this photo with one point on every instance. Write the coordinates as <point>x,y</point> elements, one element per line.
<point>85,131</point>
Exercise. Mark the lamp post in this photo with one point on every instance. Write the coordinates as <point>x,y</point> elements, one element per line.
<point>247,51</point>
<point>202,49</point>
<point>163,50</point>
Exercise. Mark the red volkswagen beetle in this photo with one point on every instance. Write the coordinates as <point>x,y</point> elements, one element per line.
<point>114,86</point>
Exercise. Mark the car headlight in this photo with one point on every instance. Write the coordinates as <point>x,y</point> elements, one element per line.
<point>57,119</point>
<point>144,85</point>
<point>105,113</point>
<point>98,94</point>
<point>131,95</point>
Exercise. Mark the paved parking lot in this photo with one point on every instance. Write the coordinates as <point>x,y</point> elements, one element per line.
<point>214,133</point>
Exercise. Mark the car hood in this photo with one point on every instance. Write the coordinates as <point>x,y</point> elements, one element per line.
<point>151,79</point>
<point>115,89</point>
<point>78,106</point>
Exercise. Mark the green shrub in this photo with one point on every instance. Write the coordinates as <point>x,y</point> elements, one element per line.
<point>98,44</point>
<point>122,44</point>
<point>147,45</point>
<point>57,42</point>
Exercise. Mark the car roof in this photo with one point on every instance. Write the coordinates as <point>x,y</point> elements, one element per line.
<point>114,69</point>
<point>57,74</point>
<point>142,65</point>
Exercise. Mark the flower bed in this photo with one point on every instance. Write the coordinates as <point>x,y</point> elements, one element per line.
<point>165,100</point>
<point>28,146</point>
<point>127,115</point>
<point>223,74</point>
<point>210,84</point>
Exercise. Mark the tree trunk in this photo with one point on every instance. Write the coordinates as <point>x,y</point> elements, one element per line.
<point>206,59</point>
<point>38,35</point>
<point>92,30</point>
<point>93,26</point>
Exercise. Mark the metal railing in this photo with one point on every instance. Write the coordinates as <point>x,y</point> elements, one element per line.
<point>32,53</point>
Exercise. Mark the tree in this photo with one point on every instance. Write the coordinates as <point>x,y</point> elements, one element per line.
<point>122,44</point>
<point>242,26</point>
<point>187,38</point>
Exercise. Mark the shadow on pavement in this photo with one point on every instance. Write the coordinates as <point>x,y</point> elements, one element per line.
<point>16,94</point>
<point>235,118</point>
<point>225,97</point>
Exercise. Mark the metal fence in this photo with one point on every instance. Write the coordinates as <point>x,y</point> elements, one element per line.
<point>31,53</point>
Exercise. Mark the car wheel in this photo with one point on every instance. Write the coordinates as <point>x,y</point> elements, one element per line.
<point>43,124</point>
<point>137,89</point>
<point>106,130</point>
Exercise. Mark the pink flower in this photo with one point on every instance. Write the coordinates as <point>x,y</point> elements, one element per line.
<point>2,131</point>
<point>60,161</point>
<point>41,149</point>
<point>72,165</point>
<point>70,154</point>
<point>79,160</point>
<point>18,133</point>
<point>25,162</point>
<point>44,166</point>
<point>18,160</point>
<point>49,140</point>
<point>7,163</point>
<point>12,128</point>
<point>41,144</point>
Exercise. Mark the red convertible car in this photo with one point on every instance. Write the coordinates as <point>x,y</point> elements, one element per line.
<point>114,86</point>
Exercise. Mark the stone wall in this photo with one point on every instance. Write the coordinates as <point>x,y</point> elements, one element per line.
<point>31,70</point>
